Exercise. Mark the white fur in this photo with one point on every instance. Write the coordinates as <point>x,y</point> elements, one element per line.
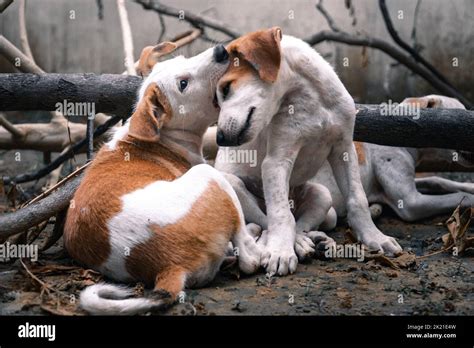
<point>119,134</point>
<point>160,203</point>
<point>108,299</point>
<point>388,176</point>
<point>292,147</point>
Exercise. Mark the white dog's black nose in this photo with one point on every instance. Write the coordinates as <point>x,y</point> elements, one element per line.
<point>220,54</point>
<point>222,141</point>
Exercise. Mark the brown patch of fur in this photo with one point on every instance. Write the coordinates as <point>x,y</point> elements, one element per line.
<point>191,243</point>
<point>261,49</point>
<point>108,178</point>
<point>359,146</point>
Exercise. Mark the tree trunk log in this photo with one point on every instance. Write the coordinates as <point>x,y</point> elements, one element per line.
<point>116,94</point>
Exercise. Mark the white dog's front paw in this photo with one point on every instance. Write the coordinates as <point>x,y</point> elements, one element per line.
<point>279,256</point>
<point>304,246</point>
<point>377,241</point>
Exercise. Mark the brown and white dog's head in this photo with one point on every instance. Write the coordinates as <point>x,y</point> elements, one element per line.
<point>177,93</point>
<point>246,92</point>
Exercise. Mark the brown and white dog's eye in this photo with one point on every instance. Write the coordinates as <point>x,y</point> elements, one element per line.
<point>183,84</point>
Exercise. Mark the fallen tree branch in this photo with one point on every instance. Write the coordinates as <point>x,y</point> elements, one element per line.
<point>117,94</point>
<point>109,93</point>
<point>428,129</point>
<point>22,219</point>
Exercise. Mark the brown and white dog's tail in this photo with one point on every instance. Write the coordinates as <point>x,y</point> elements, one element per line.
<point>108,299</point>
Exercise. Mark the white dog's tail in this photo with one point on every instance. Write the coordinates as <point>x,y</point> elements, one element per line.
<point>108,299</point>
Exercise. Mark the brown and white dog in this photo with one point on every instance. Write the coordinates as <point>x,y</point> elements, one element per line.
<point>148,210</point>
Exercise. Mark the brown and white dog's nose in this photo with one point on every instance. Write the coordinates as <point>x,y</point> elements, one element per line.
<point>220,54</point>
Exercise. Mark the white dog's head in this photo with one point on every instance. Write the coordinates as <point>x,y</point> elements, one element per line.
<point>434,101</point>
<point>178,93</point>
<point>246,91</point>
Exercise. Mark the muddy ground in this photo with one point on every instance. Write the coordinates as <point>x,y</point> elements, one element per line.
<point>441,284</point>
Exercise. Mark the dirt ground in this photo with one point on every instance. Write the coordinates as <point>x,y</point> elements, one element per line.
<point>441,284</point>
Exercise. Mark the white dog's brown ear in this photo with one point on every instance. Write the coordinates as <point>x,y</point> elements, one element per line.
<point>151,112</point>
<point>421,102</point>
<point>262,50</point>
<point>151,54</point>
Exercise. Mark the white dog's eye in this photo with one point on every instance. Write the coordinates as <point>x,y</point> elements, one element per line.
<point>226,90</point>
<point>182,85</point>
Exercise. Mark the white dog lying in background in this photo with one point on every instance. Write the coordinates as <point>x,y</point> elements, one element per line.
<point>285,101</point>
<point>388,176</point>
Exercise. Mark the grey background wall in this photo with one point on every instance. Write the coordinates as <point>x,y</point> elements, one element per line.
<point>86,44</point>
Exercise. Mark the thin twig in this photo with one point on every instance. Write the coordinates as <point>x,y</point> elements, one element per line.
<point>62,158</point>
<point>327,16</point>
<point>163,28</point>
<point>126,37</point>
<point>194,19</point>
<point>100,9</point>
<point>394,34</point>
<point>25,45</point>
<point>4,4</point>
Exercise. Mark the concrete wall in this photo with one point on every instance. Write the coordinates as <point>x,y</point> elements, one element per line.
<point>87,44</point>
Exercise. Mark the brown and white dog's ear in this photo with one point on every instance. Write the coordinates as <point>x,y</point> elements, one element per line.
<point>262,50</point>
<point>150,56</point>
<point>151,112</point>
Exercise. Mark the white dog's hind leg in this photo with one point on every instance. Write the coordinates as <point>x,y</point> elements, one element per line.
<point>344,163</point>
<point>250,207</point>
<point>435,184</point>
<point>313,202</point>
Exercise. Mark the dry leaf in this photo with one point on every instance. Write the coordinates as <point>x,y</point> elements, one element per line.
<point>457,226</point>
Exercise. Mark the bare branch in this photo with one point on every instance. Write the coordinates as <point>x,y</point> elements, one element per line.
<point>4,4</point>
<point>17,58</point>
<point>163,28</point>
<point>195,20</point>
<point>393,52</point>
<point>328,17</point>
<point>12,129</point>
<point>394,34</point>
<point>126,37</point>
<point>25,45</point>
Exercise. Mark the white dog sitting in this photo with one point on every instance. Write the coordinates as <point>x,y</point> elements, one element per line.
<point>282,99</point>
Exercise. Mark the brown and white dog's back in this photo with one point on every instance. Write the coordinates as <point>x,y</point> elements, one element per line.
<point>146,210</point>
